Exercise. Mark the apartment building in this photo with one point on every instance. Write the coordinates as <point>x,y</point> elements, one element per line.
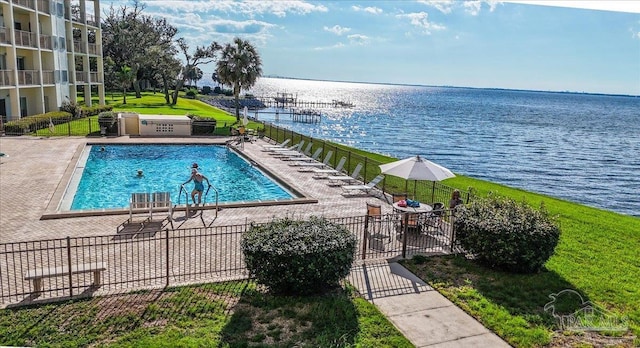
<point>50,52</point>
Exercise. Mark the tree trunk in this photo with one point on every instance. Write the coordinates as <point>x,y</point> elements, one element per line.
<point>136,87</point>
<point>165,88</point>
<point>124,96</point>
<point>237,97</point>
<point>179,85</point>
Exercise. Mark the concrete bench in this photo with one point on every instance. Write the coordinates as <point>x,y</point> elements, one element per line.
<point>36,275</point>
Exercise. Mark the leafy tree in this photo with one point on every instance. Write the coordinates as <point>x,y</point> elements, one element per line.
<point>125,77</point>
<point>202,55</point>
<point>239,66</point>
<point>128,37</point>
<point>194,75</point>
<point>215,78</point>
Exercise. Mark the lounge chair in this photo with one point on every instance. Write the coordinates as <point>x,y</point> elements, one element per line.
<point>276,146</point>
<point>324,173</point>
<point>366,189</point>
<point>293,149</point>
<point>338,180</point>
<point>307,166</point>
<point>161,203</point>
<point>291,152</point>
<point>303,158</point>
<point>139,202</point>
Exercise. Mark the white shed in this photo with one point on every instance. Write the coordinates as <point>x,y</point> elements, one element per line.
<point>164,125</point>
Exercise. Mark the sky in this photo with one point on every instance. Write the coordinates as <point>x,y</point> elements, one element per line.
<point>590,46</point>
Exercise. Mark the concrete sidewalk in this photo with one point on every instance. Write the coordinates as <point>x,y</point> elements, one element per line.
<point>422,314</point>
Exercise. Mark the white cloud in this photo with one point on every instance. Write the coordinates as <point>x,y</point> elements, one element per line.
<point>372,10</point>
<point>338,30</point>
<point>336,46</point>
<point>421,20</point>
<point>358,39</point>
<point>248,8</point>
<point>473,7</point>
<point>444,6</point>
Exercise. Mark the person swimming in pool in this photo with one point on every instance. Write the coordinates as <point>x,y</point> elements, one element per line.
<point>198,181</point>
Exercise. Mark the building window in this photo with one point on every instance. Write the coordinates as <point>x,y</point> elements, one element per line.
<point>56,76</point>
<point>62,45</point>
<point>65,76</point>
<point>60,11</point>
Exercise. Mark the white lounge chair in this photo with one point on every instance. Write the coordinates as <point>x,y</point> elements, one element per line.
<point>162,203</point>
<point>307,166</point>
<point>139,202</point>
<point>366,188</point>
<point>313,157</point>
<point>291,151</point>
<point>276,146</point>
<point>286,154</point>
<point>324,173</point>
<point>338,180</point>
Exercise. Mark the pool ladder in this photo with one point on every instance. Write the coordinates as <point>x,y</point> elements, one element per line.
<point>186,195</point>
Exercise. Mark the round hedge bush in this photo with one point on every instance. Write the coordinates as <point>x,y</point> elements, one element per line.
<point>299,257</point>
<point>505,234</point>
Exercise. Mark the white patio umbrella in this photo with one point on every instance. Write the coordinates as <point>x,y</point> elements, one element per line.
<point>416,168</point>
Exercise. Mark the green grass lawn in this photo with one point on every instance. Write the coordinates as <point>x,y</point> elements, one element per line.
<point>598,256</point>
<point>234,314</point>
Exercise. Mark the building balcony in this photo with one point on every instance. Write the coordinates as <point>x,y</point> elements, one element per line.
<point>5,38</point>
<point>95,77</point>
<point>78,47</point>
<point>46,42</point>
<point>48,77</point>
<point>25,38</point>
<point>82,77</point>
<point>25,3</point>
<point>6,78</point>
<point>93,49</point>
<point>44,6</point>
<point>28,77</point>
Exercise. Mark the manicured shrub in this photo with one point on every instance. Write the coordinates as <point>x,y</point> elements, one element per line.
<point>192,93</point>
<point>71,107</point>
<point>506,234</point>
<point>299,257</point>
<point>32,123</point>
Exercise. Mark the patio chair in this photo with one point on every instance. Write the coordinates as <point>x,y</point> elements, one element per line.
<point>139,202</point>
<point>307,166</point>
<point>338,180</point>
<point>375,232</point>
<point>162,201</point>
<point>324,173</point>
<point>267,148</point>
<point>366,188</point>
<point>434,218</point>
<point>287,154</point>
<point>294,149</point>
<point>312,158</point>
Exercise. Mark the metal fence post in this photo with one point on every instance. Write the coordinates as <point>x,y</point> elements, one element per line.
<point>69,265</point>
<point>69,125</point>
<point>166,231</point>
<point>364,236</point>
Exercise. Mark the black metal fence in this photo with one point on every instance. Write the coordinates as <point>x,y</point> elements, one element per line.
<point>158,258</point>
<point>66,126</point>
<point>423,191</point>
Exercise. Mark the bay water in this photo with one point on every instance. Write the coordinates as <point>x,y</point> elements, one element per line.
<point>583,148</point>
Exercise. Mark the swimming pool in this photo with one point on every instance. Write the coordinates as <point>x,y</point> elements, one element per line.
<point>109,174</point>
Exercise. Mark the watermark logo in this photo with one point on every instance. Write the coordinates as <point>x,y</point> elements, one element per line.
<point>572,313</point>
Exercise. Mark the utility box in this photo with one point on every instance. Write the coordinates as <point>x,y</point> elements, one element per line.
<point>163,125</point>
<point>129,123</point>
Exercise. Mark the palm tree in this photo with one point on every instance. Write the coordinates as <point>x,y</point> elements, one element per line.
<point>239,67</point>
<point>125,77</point>
<point>194,75</point>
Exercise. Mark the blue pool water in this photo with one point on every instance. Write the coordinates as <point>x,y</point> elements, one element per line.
<point>110,176</point>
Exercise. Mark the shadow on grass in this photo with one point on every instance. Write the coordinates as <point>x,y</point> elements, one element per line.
<point>218,314</point>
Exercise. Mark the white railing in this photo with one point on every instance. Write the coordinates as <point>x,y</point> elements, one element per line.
<point>48,77</point>
<point>6,77</point>
<point>45,42</point>
<point>81,77</point>
<point>25,38</point>
<point>28,77</point>
<point>25,3</point>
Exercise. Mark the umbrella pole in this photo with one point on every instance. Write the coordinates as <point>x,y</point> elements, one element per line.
<point>415,183</point>
<point>406,186</point>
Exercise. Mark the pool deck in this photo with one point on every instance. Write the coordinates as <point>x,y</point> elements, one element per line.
<point>36,171</point>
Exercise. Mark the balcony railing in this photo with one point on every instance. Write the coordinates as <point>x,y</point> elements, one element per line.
<point>46,42</point>
<point>91,20</point>
<point>4,35</point>
<point>95,77</point>
<point>93,48</point>
<point>78,47</point>
<point>28,77</point>
<point>48,77</point>
<point>25,3</point>
<point>25,38</point>
<point>81,77</point>
<point>44,6</point>
<point>6,77</point>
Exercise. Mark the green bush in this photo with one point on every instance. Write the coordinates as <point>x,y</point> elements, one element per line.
<point>33,123</point>
<point>87,111</point>
<point>505,234</point>
<point>192,93</point>
<point>71,107</point>
<point>299,257</point>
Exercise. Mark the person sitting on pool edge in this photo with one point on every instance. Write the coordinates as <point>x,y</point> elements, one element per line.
<point>198,187</point>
